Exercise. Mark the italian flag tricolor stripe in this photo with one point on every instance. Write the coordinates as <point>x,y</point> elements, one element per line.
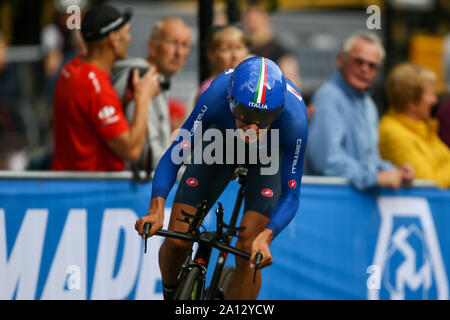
<point>260,93</point>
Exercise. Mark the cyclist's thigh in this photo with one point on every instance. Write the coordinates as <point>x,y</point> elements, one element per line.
<point>261,195</point>
<point>261,191</point>
<point>254,222</point>
<point>202,182</point>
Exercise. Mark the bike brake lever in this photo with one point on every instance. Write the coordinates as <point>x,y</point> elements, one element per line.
<point>258,259</point>
<point>147,227</point>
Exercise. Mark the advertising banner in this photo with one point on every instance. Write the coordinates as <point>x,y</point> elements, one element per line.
<point>75,239</point>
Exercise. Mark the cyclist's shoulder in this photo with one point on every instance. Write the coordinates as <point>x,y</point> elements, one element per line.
<point>221,81</point>
<point>294,109</point>
<point>218,88</point>
<point>293,95</point>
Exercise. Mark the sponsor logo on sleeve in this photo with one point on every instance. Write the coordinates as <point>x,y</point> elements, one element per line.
<point>292,184</point>
<point>107,115</point>
<point>185,144</point>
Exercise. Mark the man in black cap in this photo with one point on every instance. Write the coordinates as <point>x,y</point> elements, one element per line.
<point>90,129</point>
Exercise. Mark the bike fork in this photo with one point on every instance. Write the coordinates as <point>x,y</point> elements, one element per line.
<point>212,290</point>
<point>201,261</point>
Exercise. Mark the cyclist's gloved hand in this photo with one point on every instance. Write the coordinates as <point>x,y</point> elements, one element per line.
<point>155,216</point>
<point>261,244</point>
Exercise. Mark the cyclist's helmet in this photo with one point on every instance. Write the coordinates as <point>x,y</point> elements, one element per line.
<point>257,91</point>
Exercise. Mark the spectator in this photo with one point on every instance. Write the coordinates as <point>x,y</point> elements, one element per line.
<point>343,135</point>
<point>9,76</point>
<point>258,25</point>
<point>90,129</point>
<point>407,131</point>
<point>443,115</point>
<point>227,47</point>
<point>13,155</point>
<point>177,113</point>
<point>169,46</point>
<point>59,44</point>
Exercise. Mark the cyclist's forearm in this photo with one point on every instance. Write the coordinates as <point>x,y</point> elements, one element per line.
<point>266,235</point>
<point>283,213</point>
<point>157,204</point>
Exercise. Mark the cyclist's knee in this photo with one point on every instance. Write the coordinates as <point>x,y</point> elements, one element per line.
<point>177,245</point>
<point>244,245</point>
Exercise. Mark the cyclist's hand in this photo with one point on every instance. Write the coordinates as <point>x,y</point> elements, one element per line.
<point>155,216</point>
<point>261,244</point>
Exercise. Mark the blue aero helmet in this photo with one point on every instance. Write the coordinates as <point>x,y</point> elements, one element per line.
<point>257,91</point>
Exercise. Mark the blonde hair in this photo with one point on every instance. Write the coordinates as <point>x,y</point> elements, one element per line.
<point>405,84</point>
<point>219,33</point>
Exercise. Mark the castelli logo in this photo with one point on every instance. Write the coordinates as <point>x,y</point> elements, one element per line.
<point>267,193</point>
<point>292,184</point>
<point>185,144</point>
<point>192,182</point>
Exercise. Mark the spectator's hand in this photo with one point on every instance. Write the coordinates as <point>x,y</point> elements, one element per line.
<point>390,178</point>
<point>147,87</point>
<point>310,109</point>
<point>407,173</point>
<point>127,97</point>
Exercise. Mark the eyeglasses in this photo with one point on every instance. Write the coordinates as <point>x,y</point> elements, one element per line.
<point>373,66</point>
<point>247,122</point>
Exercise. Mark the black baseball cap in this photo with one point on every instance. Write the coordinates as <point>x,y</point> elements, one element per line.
<point>100,20</point>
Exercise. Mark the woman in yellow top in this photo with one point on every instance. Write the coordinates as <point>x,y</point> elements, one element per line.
<point>407,131</point>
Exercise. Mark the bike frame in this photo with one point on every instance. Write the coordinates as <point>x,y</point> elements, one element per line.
<point>203,254</point>
<point>222,258</point>
<point>195,269</point>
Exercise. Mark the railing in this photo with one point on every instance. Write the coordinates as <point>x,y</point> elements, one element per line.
<point>70,235</point>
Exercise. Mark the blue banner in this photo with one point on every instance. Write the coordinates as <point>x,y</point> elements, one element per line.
<point>75,239</point>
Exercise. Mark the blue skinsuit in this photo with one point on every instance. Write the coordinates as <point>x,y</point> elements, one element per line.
<point>213,108</point>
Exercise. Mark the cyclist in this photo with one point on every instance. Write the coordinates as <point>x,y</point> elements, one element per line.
<point>253,96</point>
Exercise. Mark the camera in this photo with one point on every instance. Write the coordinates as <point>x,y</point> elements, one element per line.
<point>164,81</point>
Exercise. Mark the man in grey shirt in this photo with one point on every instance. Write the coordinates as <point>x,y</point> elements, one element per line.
<point>169,46</point>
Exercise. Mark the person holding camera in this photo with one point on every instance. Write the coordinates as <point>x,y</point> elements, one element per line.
<point>169,47</point>
<point>91,132</point>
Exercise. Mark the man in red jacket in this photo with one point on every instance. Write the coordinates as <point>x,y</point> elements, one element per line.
<point>91,132</point>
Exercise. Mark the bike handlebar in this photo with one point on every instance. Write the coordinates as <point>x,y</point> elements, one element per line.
<point>196,238</point>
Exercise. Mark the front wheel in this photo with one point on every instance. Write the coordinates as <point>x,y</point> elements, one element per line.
<point>192,286</point>
<point>227,273</point>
